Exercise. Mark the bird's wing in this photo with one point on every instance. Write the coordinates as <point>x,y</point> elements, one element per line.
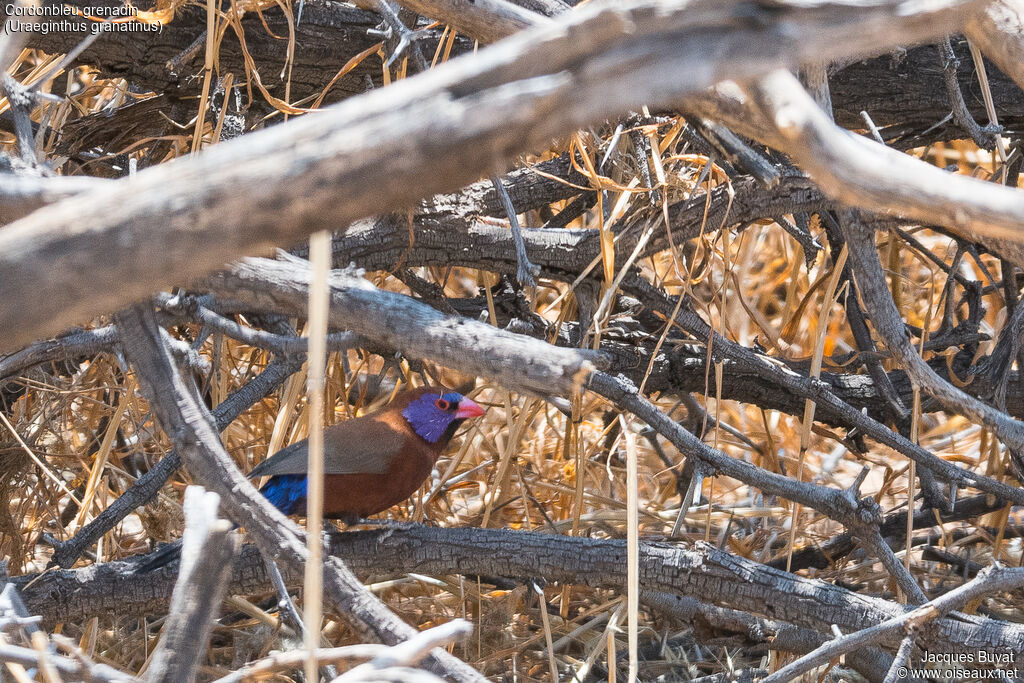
<point>360,446</point>
<point>289,460</point>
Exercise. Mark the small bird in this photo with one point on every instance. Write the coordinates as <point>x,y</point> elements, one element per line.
<point>371,463</point>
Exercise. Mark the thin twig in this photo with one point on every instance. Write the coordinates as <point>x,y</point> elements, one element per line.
<point>525,271</point>
<point>988,581</point>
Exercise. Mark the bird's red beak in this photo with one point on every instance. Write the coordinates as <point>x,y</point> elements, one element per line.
<point>467,409</point>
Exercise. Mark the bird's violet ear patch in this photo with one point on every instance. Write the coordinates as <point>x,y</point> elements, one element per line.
<point>426,419</point>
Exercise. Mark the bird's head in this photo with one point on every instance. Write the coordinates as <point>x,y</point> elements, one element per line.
<point>435,414</point>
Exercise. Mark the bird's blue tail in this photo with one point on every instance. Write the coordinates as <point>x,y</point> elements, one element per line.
<point>286,492</point>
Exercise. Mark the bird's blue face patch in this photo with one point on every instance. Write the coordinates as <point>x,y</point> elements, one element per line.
<point>430,415</point>
<point>287,492</point>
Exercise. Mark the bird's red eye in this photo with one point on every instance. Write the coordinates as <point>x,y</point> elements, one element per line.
<point>442,404</point>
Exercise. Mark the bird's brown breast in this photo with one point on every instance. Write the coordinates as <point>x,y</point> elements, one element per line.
<point>347,495</point>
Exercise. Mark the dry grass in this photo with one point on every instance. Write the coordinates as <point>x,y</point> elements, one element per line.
<point>524,465</point>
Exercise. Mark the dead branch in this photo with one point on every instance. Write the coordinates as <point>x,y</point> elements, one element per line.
<point>329,34</point>
<point>408,326</point>
<point>716,624</point>
<point>205,565</point>
<point>485,20</point>
<point>185,418</point>
<point>22,194</point>
<point>456,122</point>
<point>992,579</point>
<point>704,572</point>
<point>16,624</point>
<point>999,32</point>
<point>860,172</point>
<point>381,657</point>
